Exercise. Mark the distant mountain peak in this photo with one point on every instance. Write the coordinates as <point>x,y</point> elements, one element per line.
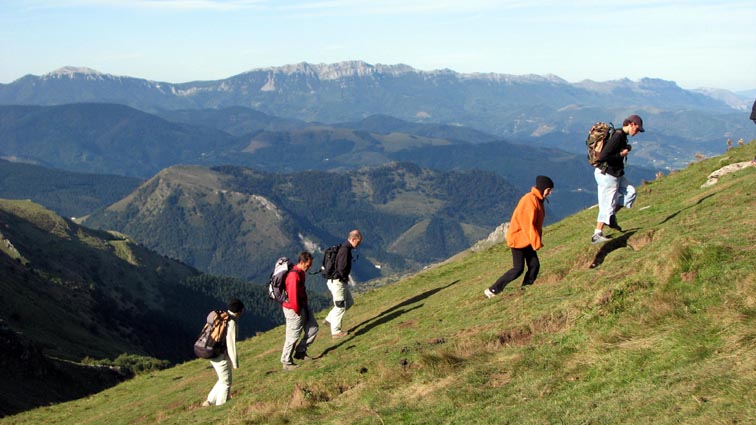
<point>358,68</point>
<point>338,70</point>
<point>70,71</point>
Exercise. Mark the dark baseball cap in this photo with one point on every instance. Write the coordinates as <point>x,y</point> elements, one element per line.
<point>637,120</point>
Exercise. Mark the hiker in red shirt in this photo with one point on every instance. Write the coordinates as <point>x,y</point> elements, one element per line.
<point>299,316</point>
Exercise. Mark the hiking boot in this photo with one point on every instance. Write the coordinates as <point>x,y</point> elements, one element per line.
<point>599,238</point>
<point>613,223</point>
<point>205,403</point>
<point>302,356</point>
<point>488,293</point>
<point>290,366</point>
<point>341,334</point>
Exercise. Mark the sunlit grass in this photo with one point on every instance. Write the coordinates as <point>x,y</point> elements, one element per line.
<point>660,331</point>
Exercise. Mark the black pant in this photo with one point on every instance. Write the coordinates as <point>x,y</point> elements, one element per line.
<point>520,256</point>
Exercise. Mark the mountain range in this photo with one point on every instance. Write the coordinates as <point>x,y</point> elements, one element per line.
<point>117,139</point>
<point>543,110</point>
<point>236,221</point>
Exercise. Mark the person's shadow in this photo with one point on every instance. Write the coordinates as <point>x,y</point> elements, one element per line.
<point>387,316</point>
<point>608,247</point>
<point>673,215</point>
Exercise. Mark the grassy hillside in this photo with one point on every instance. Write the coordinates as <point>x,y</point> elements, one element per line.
<point>660,331</point>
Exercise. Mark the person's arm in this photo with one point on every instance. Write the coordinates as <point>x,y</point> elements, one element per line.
<point>534,227</point>
<point>231,343</point>
<point>292,290</point>
<point>612,148</point>
<point>342,264</point>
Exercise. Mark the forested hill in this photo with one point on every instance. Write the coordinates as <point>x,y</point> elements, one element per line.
<point>71,293</point>
<point>235,221</point>
<point>67,193</point>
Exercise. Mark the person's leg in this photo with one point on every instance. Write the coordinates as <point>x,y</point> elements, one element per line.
<point>338,291</point>
<point>607,192</point>
<point>348,299</point>
<point>293,330</point>
<point>310,332</point>
<point>625,194</point>
<point>329,317</point>
<point>518,265</point>
<point>531,259</point>
<point>219,394</point>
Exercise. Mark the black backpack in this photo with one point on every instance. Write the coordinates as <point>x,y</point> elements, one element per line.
<point>277,282</point>
<point>211,342</point>
<point>329,261</point>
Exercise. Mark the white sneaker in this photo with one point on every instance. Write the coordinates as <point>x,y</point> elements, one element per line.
<point>488,293</point>
<point>599,237</point>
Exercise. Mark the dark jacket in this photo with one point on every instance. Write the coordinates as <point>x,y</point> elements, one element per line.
<point>610,158</point>
<point>343,262</point>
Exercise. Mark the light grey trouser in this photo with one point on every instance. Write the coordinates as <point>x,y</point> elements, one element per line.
<point>222,389</point>
<point>294,327</point>
<point>612,192</point>
<point>342,300</point>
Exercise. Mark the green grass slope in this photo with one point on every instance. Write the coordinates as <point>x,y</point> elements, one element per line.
<point>662,331</point>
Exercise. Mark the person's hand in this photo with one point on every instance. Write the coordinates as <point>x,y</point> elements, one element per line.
<point>625,152</point>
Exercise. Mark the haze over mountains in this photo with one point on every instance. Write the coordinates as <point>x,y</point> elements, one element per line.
<point>545,110</point>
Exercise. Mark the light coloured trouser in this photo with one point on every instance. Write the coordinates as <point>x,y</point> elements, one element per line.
<point>294,326</point>
<point>222,389</point>
<point>342,300</point>
<point>612,192</point>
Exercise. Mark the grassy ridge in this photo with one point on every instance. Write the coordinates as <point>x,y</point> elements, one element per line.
<point>661,331</point>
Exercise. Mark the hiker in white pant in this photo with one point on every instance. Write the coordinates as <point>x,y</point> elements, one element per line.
<point>614,190</point>
<point>338,284</point>
<point>227,359</point>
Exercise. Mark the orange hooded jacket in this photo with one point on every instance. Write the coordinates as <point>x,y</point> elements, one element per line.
<point>526,225</point>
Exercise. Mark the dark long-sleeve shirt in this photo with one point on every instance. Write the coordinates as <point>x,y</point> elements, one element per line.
<point>343,262</point>
<point>610,155</point>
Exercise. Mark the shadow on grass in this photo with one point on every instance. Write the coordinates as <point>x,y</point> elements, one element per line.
<point>673,215</point>
<point>387,316</point>
<point>612,245</point>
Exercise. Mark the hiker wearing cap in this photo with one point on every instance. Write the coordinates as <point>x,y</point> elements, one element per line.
<point>300,320</point>
<point>524,236</point>
<point>227,359</point>
<point>614,190</point>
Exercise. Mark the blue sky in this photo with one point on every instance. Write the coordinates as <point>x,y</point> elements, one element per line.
<point>694,43</point>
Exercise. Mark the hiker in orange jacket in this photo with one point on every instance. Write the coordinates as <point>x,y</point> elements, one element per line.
<point>524,236</point>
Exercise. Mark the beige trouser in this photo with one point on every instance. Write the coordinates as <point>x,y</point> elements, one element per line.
<point>295,327</point>
<point>342,300</point>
